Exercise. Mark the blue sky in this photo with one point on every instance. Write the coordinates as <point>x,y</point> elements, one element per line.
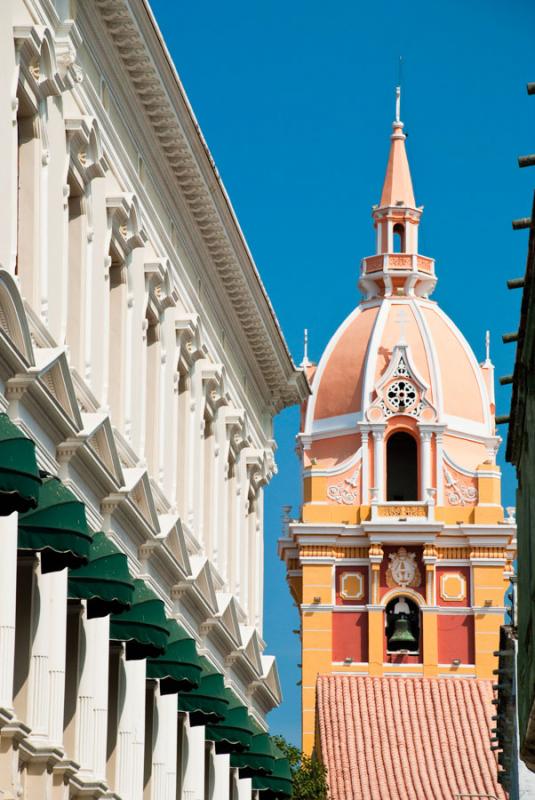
<point>296,102</point>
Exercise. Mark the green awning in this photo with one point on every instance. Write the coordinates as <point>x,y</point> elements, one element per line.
<point>104,581</point>
<point>19,474</point>
<point>143,627</point>
<point>278,785</point>
<point>258,760</point>
<point>208,703</point>
<point>56,528</point>
<point>179,669</point>
<point>235,732</point>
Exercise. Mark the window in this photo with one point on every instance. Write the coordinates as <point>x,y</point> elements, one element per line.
<point>401,468</point>
<point>399,238</point>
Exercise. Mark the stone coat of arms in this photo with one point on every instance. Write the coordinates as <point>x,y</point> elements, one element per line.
<point>403,570</point>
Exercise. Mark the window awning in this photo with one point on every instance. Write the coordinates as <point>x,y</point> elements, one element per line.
<point>208,703</point>
<point>258,760</point>
<point>235,732</point>
<point>144,626</point>
<point>56,528</point>
<point>19,474</point>
<point>278,785</point>
<point>179,669</point>
<point>104,581</point>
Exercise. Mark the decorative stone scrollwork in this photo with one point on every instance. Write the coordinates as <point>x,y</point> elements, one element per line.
<point>341,494</point>
<point>458,493</point>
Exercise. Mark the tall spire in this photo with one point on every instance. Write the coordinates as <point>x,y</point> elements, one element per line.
<point>397,187</point>
<point>397,268</point>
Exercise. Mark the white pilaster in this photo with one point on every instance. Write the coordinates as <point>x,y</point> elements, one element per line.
<point>221,787</point>
<point>194,763</point>
<point>39,691</point>
<point>165,748</point>
<point>425,472</point>
<point>245,789</point>
<point>56,660</point>
<point>8,592</point>
<point>131,736</point>
<point>378,432</point>
<point>365,472</point>
<point>439,446</point>
<point>91,720</point>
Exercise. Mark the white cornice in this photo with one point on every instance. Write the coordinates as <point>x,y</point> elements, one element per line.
<point>138,42</point>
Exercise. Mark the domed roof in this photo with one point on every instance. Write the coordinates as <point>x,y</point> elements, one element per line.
<point>397,352</point>
<point>360,354</point>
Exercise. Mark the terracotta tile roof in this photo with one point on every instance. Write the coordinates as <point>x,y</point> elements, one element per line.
<point>406,738</point>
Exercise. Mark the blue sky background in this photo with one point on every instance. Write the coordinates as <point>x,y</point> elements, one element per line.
<point>296,102</point>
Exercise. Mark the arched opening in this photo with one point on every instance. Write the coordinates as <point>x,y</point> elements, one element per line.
<point>402,626</point>
<point>399,238</point>
<point>401,468</point>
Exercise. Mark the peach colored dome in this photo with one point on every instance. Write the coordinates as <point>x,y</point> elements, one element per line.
<point>359,353</point>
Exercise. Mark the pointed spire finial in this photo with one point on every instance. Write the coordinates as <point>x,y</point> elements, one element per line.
<point>487,347</point>
<point>305,362</point>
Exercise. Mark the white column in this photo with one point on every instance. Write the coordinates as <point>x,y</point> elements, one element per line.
<point>378,462</point>
<point>131,734</point>
<point>100,633</point>
<point>8,593</point>
<point>91,724</point>
<point>425,472</point>
<point>390,236</point>
<point>365,471</point>
<point>43,220</point>
<point>439,467</point>
<point>245,788</point>
<point>194,763</point>
<point>196,453</point>
<point>56,658</point>
<point>165,747</point>
<point>38,694</point>
<point>221,788</point>
<point>8,143</point>
<point>259,583</point>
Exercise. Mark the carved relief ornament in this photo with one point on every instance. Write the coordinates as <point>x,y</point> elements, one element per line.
<point>403,570</point>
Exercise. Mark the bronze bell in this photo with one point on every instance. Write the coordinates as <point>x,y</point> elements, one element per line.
<point>402,638</point>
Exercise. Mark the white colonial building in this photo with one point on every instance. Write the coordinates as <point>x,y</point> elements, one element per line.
<point>141,365</point>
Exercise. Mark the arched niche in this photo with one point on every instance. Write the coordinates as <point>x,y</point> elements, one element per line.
<point>403,625</point>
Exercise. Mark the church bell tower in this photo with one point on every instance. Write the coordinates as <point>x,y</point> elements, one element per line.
<point>401,554</point>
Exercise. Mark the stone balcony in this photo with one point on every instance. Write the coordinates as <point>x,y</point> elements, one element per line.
<point>398,262</point>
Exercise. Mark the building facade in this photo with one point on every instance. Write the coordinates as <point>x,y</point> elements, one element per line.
<point>400,558</point>
<point>141,365</point>
<point>520,453</point>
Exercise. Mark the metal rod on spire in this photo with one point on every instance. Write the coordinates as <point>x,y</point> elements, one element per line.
<point>398,90</point>
<point>487,347</point>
